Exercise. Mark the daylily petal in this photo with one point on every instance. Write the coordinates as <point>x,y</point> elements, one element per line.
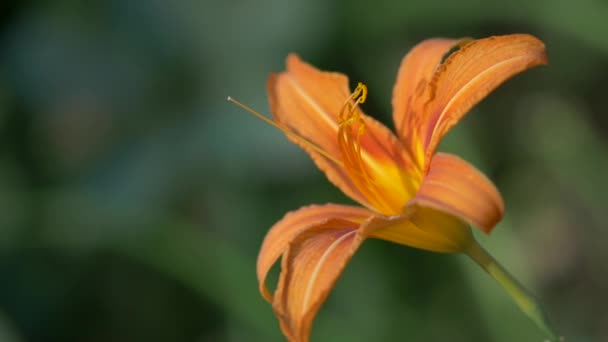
<point>310,267</point>
<point>309,102</point>
<point>456,187</point>
<point>415,73</point>
<point>293,223</point>
<point>469,74</point>
<point>424,228</point>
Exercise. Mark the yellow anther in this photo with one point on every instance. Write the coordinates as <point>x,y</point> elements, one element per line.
<point>348,111</point>
<point>361,92</point>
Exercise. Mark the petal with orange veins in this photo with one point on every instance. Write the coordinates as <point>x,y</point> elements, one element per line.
<point>415,73</point>
<point>293,223</point>
<point>308,102</point>
<point>310,267</point>
<point>456,187</point>
<point>471,73</point>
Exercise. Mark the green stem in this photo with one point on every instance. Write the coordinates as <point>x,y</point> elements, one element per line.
<point>526,301</point>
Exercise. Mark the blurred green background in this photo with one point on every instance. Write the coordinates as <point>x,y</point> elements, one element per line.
<point>134,198</point>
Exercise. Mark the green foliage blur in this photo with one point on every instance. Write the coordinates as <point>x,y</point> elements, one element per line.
<point>134,198</point>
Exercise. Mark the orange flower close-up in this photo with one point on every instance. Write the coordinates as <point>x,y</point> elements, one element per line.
<point>409,193</point>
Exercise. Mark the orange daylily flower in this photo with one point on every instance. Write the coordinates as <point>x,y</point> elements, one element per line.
<point>409,194</point>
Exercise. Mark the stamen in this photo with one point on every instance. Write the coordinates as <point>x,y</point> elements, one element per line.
<point>349,141</point>
<point>285,130</point>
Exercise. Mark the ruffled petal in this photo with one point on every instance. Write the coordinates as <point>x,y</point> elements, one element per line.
<point>456,187</point>
<point>308,102</point>
<point>415,73</point>
<point>293,223</point>
<point>310,267</point>
<point>469,74</point>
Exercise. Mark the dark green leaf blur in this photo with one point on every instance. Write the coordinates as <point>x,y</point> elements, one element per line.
<point>134,197</point>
